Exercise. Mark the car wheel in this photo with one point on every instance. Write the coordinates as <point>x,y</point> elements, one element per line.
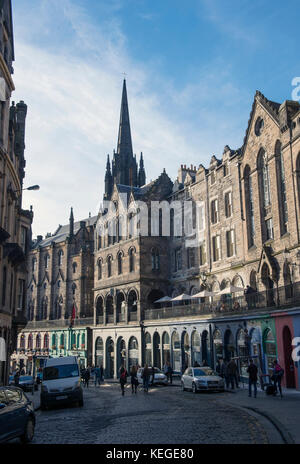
<point>29,432</point>
<point>194,388</point>
<point>182,387</point>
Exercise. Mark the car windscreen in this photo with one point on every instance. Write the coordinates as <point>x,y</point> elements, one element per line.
<point>201,372</point>
<point>60,372</point>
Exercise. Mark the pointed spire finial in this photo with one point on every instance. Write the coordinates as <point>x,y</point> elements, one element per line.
<point>71,223</point>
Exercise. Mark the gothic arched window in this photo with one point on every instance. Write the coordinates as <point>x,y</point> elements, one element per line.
<point>281,189</point>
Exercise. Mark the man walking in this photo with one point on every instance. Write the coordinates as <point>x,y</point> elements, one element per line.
<point>123,378</point>
<point>252,371</point>
<point>146,375</point>
<point>170,374</point>
<point>232,373</point>
<point>97,376</point>
<point>87,377</point>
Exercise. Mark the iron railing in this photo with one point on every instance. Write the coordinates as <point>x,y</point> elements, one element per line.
<point>59,323</point>
<point>276,298</point>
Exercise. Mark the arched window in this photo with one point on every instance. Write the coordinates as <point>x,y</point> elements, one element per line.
<point>38,342</point>
<point>155,258</point>
<point>29,342</point>
<point>109,262</point>
<point>99,269</point>
<point>120,263</point>
<point>53,342</point>
<point>60,257</point>
<point>62,341</point>
<point>281,189</point>
<point>74,266</point>
<point>131,260</point>
<point>22,342</point>
<point>249,206</point>
<point>74,288</point>
<point>83,340</point>
<point>46,341</point>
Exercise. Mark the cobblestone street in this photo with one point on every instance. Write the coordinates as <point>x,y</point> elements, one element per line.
<point>165,415</point>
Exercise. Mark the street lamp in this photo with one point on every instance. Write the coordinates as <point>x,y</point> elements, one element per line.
<point>32,187</point>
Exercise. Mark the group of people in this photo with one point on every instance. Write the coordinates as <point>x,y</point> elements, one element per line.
<point>229,371</point>
<point>96,371</point>
<point>147,375</point>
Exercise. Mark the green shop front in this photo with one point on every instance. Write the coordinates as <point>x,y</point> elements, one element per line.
<point>70,342</point>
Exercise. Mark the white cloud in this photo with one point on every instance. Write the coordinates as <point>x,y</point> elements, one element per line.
<point>71,79</point>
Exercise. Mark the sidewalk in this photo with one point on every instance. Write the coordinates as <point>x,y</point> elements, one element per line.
<point>283,413</point>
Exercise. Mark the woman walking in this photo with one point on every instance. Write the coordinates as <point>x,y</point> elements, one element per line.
<point>134,379</point>
<point>277,376</point>
<point>123,378</point>
<point>146,376</point>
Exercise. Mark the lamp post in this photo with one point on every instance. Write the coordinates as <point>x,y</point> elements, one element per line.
<point>32,187</point>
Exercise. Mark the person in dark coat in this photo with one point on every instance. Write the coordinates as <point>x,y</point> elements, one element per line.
<point>277,376</point>
<point>146,375</point>
<point>17,378</point>
<point>252,371</point>
<point>87,377</point>
<point>101,373</point>
<point>232,373</point>
<point>170,373</point>
<point>134,379</point>
<point>123,379</point>
<point>221,368</point>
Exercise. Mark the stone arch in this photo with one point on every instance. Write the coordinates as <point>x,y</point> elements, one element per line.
<point>205,347</point>
<point>121,354</point>
<point>110,357</point>
<point>176,348</point>
<point>109,306</point>
<point>196,348</point>
<point>120,306</point>
<point>99,352</point>
<point>99,309</point>
<point>132,300</point>
<point>30,342</point>
<point>133,353</point>
<point>132,255</point>
<point>185,350</point>
<point>225,283</point>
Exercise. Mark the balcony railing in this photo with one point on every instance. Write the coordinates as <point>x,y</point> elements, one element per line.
<point>283,297</point>
<point>109,318</point>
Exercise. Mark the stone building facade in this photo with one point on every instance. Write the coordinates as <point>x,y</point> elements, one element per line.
<point>59,306</point>
<point>15,223</point>
<point>222,228</point>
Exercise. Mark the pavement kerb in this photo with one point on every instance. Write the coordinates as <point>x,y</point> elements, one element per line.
<point>285,435</point>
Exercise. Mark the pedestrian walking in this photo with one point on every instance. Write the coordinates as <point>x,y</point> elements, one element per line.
<point>97,375</point>
<point>221,368</point>
<point>134,379</point>
<point>170,374</point>
<point>277,377</point>
<point>252,371</point>
<point>226,374</point>
<point>86,377</point>
<point>145,376</point>
<point>123,379</point>
<point>232,373</point>
<point>101,373</point>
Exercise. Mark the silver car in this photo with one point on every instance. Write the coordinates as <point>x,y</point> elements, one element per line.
<point>159,376</point>
<point>201,378</point>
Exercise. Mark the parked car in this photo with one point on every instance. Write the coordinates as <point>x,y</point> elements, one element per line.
<point>26,382</point>
<point>61,382</point>
<point>159,376</point>
<point>17,417</point>
<point>201,378</point>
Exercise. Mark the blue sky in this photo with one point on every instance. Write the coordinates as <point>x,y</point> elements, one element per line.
<point>192,71</point>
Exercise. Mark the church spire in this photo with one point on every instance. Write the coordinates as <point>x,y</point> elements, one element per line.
<point>142,174</point>
<point>71,231</point>
<point>124,139</point>
<point>108,180</point>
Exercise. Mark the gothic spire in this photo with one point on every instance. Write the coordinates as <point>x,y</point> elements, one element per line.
<point>108,180</point>
<point>142,174</point>
<point>124,139</point>
<point>71,231</point>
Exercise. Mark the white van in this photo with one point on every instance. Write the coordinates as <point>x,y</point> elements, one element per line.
<point>61,382</point>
